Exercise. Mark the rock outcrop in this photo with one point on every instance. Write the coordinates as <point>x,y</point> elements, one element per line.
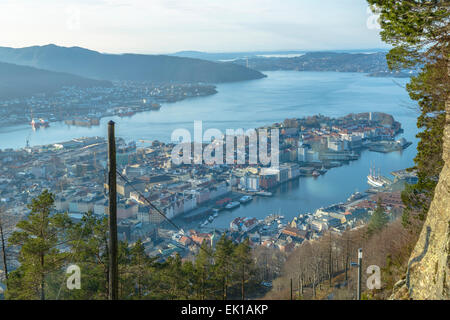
<point>428,275</point>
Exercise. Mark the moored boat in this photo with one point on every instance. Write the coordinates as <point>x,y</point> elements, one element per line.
<point>355,196</point>
<point>232,205</point>
<point>245,199</point>
<point>264,193</point>
<point>375,180</point>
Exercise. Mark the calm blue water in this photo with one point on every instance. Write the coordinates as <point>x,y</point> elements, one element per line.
<point>251,104</point>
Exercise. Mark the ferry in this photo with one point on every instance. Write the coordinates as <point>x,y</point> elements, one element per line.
<point>44,123</point>
<point>232,205</point>
<point>245,199</point>
<point>40,123</point>
<point>34,124</point>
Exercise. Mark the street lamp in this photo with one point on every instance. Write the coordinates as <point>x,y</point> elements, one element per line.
<point>359,265</point>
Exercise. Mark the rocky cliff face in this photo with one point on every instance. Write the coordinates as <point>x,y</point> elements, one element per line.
<point>428,275</point>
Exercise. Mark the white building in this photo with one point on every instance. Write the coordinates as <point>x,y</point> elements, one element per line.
<point>250,182</point>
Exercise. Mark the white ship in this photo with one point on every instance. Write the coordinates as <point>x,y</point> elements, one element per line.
<point>374,179</point>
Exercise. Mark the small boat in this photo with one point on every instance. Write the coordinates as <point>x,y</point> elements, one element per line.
<point>155,106</point>
<point>355,196</point>
<point>315,173</point>
<point>125,112</point>
<point>215,215</point>
<point>211,218</point>
<point>264,193</point>
<point>322,170</point>
<point>245,199</point>
<point>232,205</point>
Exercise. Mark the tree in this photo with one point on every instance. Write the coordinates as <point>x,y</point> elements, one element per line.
<point>223,263</point>
<point>203,267</point>
<point>40,237</point>
<point>175,278</point>
<point>243,264</point>
<point>378,220</point>
<point>88,243</point>
<point>141,268</point>
<point>419,33</point>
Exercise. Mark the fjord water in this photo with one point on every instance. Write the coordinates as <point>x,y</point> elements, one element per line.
<point>250,104</point>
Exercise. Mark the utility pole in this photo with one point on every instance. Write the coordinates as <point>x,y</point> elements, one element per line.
<point>2,239</point>
<point>358,293</point>
<point>113,268</point>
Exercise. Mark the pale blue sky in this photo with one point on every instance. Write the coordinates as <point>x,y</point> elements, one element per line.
<point>164,26</point>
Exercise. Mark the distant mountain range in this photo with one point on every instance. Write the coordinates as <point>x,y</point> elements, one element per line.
<point>220,56</point>
<point>372,63</point>
<point>20,81</point>
<point>137,67</point>
<point>49,68</point>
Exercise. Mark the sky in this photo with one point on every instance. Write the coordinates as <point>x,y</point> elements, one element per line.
<point>167,26</point>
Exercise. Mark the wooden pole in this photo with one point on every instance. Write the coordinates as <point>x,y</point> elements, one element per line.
<point>113,268</point>
<point>2,238</point>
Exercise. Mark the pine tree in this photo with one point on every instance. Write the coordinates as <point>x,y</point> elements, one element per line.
<point>89,250</point>
<point>203,271</point>
<point>40,237</point>
<point>243,262</point>
<point>141,269</point>
<point>223,264</point>
<point>378,220</point>
<point>419,34</point>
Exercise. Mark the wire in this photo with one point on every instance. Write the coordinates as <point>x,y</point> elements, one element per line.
<point>168,219</point>
<point>71,261</point>
<point>149,202</point>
